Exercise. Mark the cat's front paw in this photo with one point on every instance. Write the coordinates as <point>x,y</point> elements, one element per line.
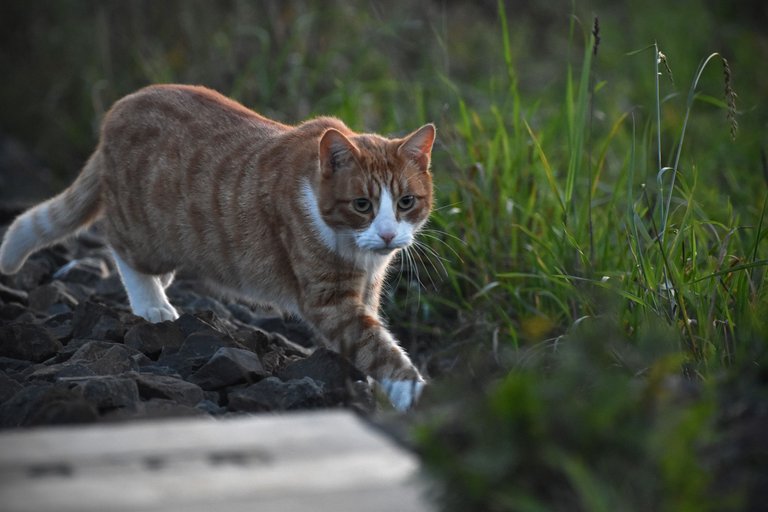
<point>158,314</point>
<point>403,393</point>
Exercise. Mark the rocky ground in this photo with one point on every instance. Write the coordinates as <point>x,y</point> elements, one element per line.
<point>71,351</point>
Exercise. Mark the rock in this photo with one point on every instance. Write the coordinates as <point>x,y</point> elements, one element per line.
<point>27,341</point>
<point>260,341</point>
<point>274,350</point>
<point>111,288</point>
<point>58,371</point>
<point>159,369</point>
<point>8,387</point>
<point>85,271</point>
<point>273,394</point>
<point>96,322</point>
<point>160,386</point>
<point>229,366</point>
<point>106,392</point>
<point>158,408</point>
<point>67,352</point>
<point>46,404</point>
<point>59,326</point>
<point>12,365</point>
<point>196,350</point>
<point>324,366</point>
<point>151,339</point>
<point>44,297</point>
<point>8,294</point>
<point>35,271</point>
<point>292,329</point>
<point>254,339</point>
<point>106,358</point>
<point>16,312</point>
<point>207,304</point>
<point>190,324</point>
<point>361,397</point>
<point>211,408</point>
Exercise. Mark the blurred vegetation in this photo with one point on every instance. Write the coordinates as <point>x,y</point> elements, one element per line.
<point>590,295</point>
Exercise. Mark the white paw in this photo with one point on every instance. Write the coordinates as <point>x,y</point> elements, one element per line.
<point>402,393</point>
<point>158,313</point>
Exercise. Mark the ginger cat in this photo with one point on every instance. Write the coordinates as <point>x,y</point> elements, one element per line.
<point>305,217</point>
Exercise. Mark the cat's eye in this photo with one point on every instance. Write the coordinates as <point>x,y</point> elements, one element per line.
<point>406,202</point>
<point>362,205</point>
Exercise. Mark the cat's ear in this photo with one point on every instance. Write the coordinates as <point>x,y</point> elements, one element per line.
<point>336,150</point>
<point>418,145</point>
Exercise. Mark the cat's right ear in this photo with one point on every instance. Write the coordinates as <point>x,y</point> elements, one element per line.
<point>336,150</point>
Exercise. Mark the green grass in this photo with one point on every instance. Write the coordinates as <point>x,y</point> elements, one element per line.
<point>590,291</point>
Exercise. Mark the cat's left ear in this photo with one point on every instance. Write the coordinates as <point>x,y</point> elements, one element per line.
<point>336,151</point>
<point>418,145</point>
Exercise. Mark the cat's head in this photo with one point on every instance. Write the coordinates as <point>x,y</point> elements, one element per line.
<point>376,190</point>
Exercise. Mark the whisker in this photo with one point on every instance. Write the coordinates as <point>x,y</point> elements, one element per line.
<point>434,232</point>
<point>412,270</point>
<point>434,252</point>
<point>437,273</point>
<point>431,255</point>
<point>400,270</point>
<point>445,206</point>
<point>446,244</point>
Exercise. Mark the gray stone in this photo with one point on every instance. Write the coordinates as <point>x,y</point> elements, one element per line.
<point>67,352</point>
<point>106,392</point>
<point>324,366</point>
<point>272,394</point>
<point>85,271</point>
<point>229,366</point>
<point>13,365</point>
<point>293,330</point>
<point>260,341</point>
<point>59,326</point>
<point>30,342</point>
<point>190,324</point>
<point>207,304</point>
<point>8,294</point>
<point>8,387</point>
<point>194,352</point>
<point>158,408</point>
<point>160,386</point>
<point>96,322</point>
<point>155,408</point>
<point>46,404</point>
<point>44,297</point>
<point>57,371</point>
<point>211,408</point>
<point>15,312</point>
<point>35,270</point>
<point>111,288</point>
<point>106,358</point>
<point>151,339</point>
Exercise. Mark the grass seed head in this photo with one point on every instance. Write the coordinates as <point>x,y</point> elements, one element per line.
<point>730,99</point>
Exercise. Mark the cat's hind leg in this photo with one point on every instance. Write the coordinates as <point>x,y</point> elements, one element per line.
<point>146,293</point>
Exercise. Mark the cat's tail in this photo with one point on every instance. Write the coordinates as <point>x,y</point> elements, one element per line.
<point>55,219</point>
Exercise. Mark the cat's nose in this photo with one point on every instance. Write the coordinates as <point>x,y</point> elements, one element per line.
<point>387,236</point>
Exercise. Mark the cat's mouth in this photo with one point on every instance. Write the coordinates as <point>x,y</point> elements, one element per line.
<point>384,251</point>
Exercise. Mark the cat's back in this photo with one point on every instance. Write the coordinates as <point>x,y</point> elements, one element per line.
<point>196,110</point>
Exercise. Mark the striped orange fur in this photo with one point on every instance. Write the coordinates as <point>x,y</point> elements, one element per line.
<point>305,217</point>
